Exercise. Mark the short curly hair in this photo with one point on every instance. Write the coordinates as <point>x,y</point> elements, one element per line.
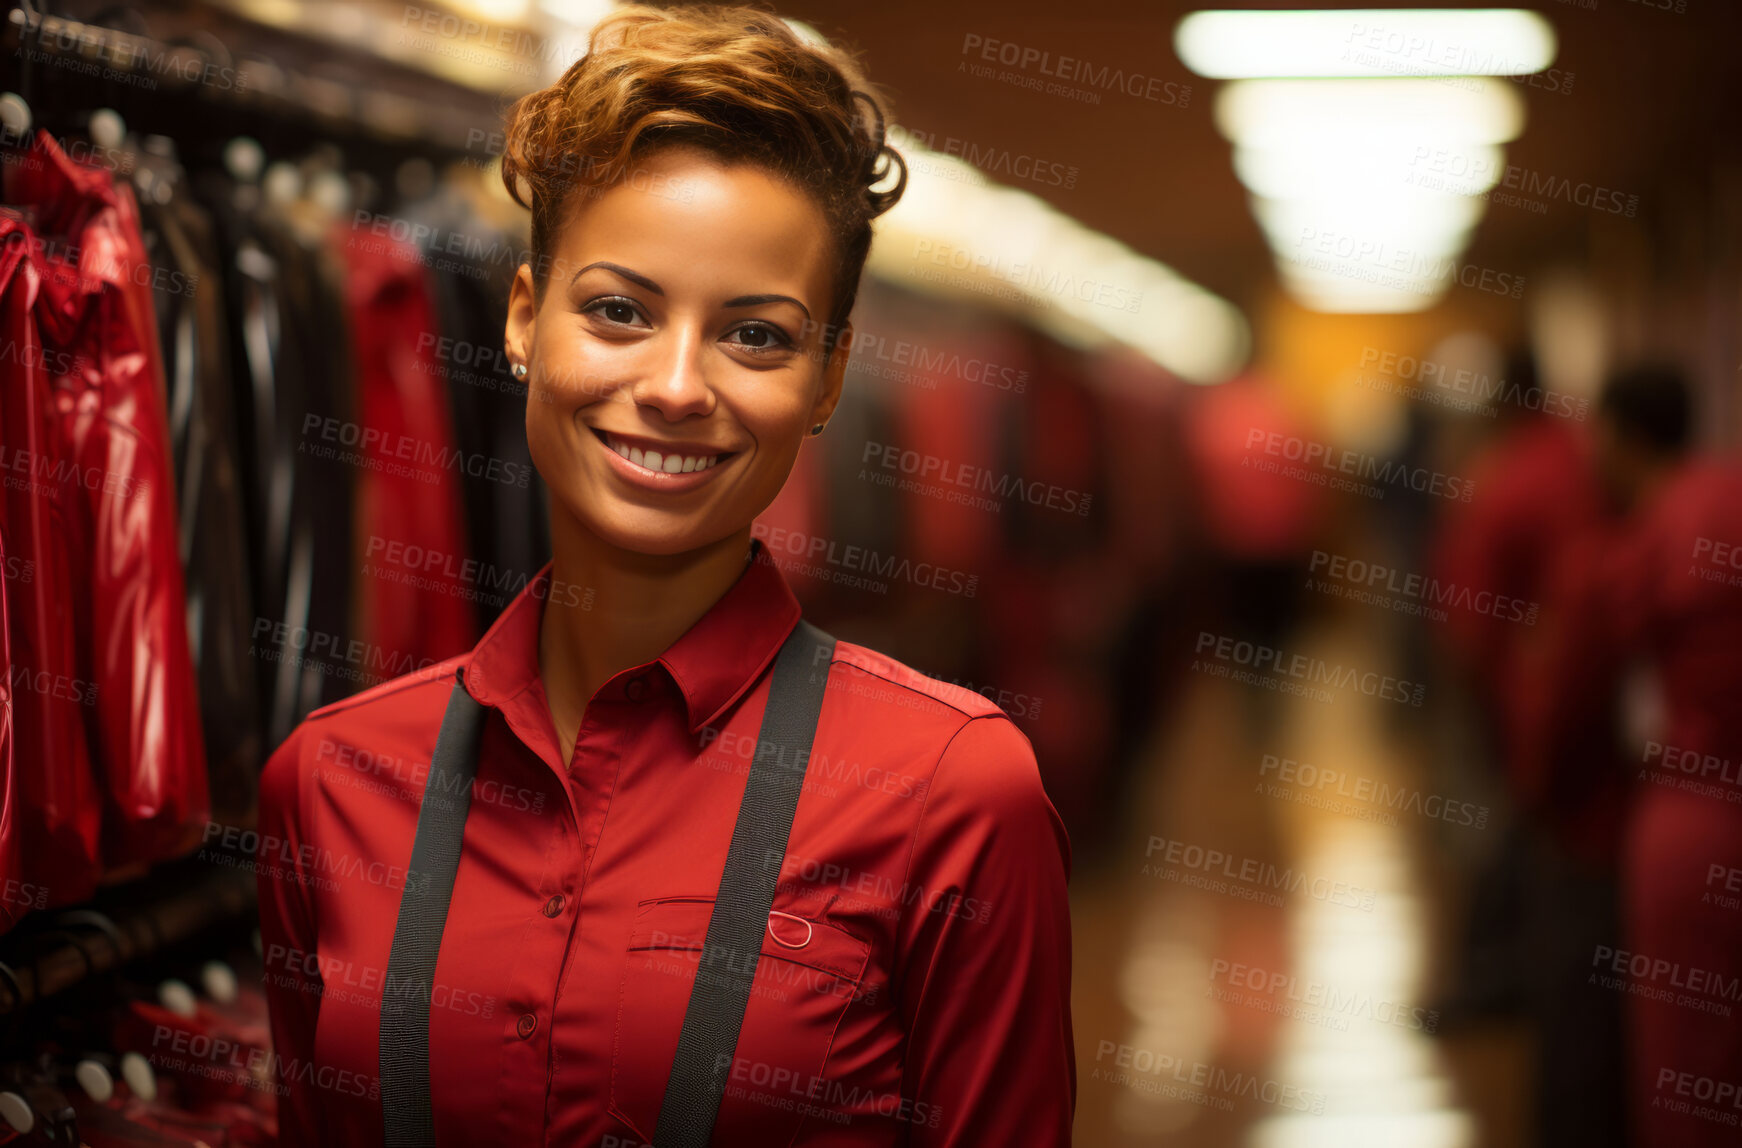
<point>735,81</point>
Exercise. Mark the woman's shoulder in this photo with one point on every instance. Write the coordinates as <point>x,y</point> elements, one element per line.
<point>875,677</point>
<point>388,713</point>
<point>967,738</point>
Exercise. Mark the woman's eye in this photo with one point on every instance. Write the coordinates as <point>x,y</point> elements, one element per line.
<point>760,337</point>
<point>619,311</point>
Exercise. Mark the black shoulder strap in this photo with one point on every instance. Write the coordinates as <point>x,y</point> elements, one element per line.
<point>729,954</point>
<point>733,946</point>
<point>423,913</point>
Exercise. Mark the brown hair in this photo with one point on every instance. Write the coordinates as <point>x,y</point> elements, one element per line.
<point>735,81</point>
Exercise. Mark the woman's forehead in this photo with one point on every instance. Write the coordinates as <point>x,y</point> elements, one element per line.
<point>695,220</point>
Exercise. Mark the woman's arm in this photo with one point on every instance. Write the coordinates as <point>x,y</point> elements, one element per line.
<point>985,952</point>
<point>288,942</point>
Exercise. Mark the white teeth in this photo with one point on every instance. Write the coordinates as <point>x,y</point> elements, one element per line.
<point>664,463</point>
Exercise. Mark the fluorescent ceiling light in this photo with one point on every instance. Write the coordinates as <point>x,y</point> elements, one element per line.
<point>1365,42</point>
<point>1313,173</point>
<point>1361,113</point>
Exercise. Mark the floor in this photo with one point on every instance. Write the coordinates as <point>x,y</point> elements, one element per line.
<point>1257,957</point>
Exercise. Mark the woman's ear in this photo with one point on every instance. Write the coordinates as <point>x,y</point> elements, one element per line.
<point>834,375</point>
<point>522,310</point>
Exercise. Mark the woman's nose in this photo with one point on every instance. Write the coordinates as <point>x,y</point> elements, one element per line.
<point>676,381</point>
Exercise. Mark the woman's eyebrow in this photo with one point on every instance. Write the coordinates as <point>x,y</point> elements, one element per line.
<point>643,281</point>
<point>758,300</point>
<point>635,277</point>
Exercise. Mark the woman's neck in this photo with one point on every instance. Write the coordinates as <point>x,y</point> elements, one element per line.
<point>608,609</point>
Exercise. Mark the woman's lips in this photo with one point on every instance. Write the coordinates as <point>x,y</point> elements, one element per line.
<point>642,463</point>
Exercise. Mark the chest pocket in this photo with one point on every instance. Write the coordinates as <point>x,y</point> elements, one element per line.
<point>809,971</point>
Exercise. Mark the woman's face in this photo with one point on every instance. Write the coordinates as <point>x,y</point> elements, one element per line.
<point>676,360</point>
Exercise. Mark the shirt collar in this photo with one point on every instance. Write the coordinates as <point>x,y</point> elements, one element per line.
<point>713,663</point>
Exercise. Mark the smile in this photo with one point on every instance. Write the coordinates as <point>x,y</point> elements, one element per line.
<point>676,459</point>
<point>667,466</point>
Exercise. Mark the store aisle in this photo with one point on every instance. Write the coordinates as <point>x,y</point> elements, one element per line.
<point>1252,966</point>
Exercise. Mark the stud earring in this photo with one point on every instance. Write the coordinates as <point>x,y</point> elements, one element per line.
<point>520,371</point>
<point>818,429</point>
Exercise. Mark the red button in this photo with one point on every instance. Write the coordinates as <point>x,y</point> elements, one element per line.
<point>553,906</point>
<point>636,689</point>
<point>527,1026</point>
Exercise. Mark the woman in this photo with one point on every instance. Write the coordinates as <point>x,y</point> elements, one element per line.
<point>701,194</point>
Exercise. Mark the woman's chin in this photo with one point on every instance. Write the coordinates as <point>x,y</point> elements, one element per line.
<point>642,531</point>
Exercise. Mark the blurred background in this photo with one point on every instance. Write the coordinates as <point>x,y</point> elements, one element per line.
<point>1312,427</point>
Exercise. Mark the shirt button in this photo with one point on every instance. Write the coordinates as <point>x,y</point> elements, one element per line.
<point>527,1026</point>
<point>553,906</point>
<point>636,689</point>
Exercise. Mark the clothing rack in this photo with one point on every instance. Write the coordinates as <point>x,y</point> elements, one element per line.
<point>374,100</point>
<point>178,903</point>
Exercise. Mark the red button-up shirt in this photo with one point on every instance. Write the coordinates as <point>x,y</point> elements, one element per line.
<point>914,987</point>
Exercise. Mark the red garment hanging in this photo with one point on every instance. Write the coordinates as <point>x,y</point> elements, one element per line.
<point>60,810</point>
<point>17,896</point>
<point>414,593</point>
<point>113,446</point>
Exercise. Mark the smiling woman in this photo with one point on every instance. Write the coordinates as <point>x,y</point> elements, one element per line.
<point>702,185</point>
